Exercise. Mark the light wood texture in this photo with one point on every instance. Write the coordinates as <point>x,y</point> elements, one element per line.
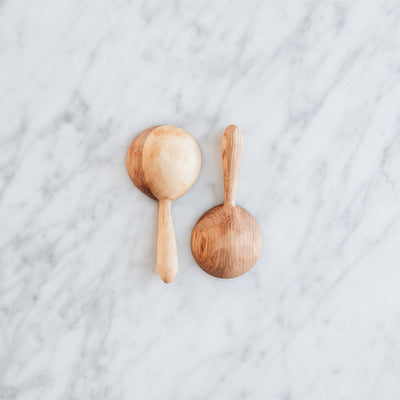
<point>227,241</point>
<point>164,162</point>
<point>167,254</point>
<point>134,162</point>
<point>232,144</point>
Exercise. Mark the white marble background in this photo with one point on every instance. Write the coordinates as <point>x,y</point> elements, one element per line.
<point>315,87</point>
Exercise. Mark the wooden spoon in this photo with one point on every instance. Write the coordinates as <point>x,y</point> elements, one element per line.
<point>164,162</point>
<point>226,241</point>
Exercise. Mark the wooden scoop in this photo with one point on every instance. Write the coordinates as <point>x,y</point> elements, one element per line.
<point>164,162</point>
<point>227,241</point>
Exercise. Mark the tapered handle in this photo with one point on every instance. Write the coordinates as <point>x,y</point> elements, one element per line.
<point>232,143</point>
<point>167,254</point>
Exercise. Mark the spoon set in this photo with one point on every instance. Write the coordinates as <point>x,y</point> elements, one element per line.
<point>164,163</point>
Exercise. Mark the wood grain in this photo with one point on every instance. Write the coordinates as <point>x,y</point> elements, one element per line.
<point>164,162</point>
<point>134,162</point>
<point>232,144</point>
<point>167,254</point>
<point>226,241</point>
<point>171,162</point>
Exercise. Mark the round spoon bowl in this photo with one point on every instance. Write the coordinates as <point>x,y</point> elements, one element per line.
<point>226,241</point>
<point>164,162</point>
<point>171,162</point>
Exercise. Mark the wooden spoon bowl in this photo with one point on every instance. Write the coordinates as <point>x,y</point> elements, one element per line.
<point>227,241</point>
<point>164,162</point>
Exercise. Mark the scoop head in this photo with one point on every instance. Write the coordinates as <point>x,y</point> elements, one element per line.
<point>164,162</point>
<point>226,241</point>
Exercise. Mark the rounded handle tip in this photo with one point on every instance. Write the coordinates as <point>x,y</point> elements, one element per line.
<point>168,276</point>
<point>232,128</point>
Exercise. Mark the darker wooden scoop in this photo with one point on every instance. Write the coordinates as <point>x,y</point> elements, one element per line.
<point>227,241</point>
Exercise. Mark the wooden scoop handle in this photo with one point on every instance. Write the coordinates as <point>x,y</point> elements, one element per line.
<point>232,143</point>
<point>167,253</point>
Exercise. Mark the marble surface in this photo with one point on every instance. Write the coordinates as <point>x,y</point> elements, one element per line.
<point>315,88</point>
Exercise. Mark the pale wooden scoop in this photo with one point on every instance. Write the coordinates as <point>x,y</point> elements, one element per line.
<point>164,162</point>
<point>227,241</point>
